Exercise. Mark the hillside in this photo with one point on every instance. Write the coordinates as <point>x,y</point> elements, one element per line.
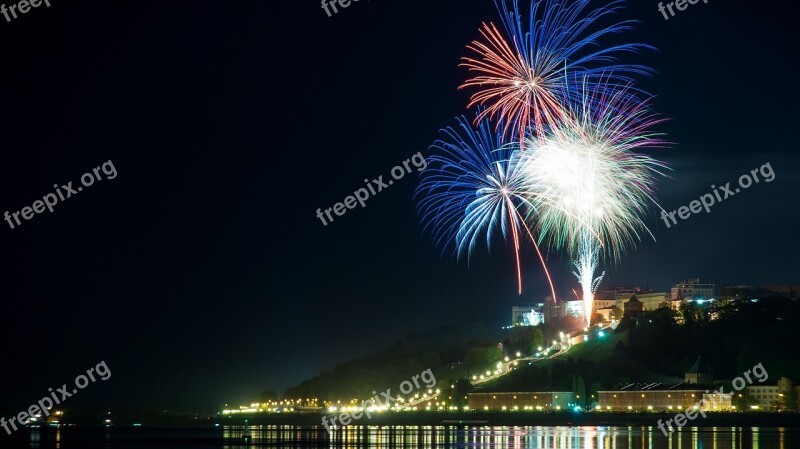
<point>442,350</point>
<point>599,363</point>
<point>658,347</point>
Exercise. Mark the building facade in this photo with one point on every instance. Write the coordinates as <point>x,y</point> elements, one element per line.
<point>699,373</point>
<point>692,289</point>
<point>781,396</point>
<point>618,296</point>
<point>652,300</point>
<point>762,291</point>
<point>660,400</point>
<point>527,315</point>
<point>633,307</point>
<point>560,309</point>
<point>541,400</point>
<point>696,392</point>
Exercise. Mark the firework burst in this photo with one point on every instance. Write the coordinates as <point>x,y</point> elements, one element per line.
<point>472,189</point>
<point>562,161</point>
<point>587,183</point>
<point>523,75</point>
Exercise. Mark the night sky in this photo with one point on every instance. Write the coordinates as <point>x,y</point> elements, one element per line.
<point>201,274</point>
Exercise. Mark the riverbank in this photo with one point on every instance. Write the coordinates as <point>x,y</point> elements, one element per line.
<point>765,419</point>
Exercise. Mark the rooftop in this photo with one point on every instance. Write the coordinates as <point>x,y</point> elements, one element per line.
<point>700,368</point>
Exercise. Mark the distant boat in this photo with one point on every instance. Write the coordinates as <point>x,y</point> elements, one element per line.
<point>464,421</point>
<point>302,409</point>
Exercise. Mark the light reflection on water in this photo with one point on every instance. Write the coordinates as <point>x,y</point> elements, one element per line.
<point>378,437</point>
<point>534,437</point>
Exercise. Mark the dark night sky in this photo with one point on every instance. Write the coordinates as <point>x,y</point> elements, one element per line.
<point>201,274</point>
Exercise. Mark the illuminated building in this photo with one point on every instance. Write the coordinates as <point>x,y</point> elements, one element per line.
<point>780,396</point>
<point>618,296</point>
<point>692,289</point>
<point>521,401</point>
<point>654,399</point>
<point>696,391</point>
<point>530,315</point>
<point>633,307</point>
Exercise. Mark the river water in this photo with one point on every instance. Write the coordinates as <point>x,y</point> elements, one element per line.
<point>538,437</point>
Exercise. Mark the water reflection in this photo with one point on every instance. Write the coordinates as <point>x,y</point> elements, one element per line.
<point>39,439</point>
<point>533,437</point>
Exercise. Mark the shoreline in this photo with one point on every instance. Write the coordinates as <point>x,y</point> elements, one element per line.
<point>735,419</point>
<point>307,429</point>
<point>459,420</point>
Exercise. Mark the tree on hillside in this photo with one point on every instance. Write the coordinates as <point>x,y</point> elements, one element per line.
<point>267,396</point>
<point>692,315</point>
<point>594,396</point>
<point>462,390</point>
<point>572,323</point>
<point>432,360</point>
<point>536,341</point>
<point>742,400</point>
<point>580,392</point>
<point>749,355</point>
<point>482,356</point>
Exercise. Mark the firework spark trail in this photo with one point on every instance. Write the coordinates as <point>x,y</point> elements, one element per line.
<point>472,187</point>
<point>524,76</point>
<point>541,260</point>
<point>585,265</point>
